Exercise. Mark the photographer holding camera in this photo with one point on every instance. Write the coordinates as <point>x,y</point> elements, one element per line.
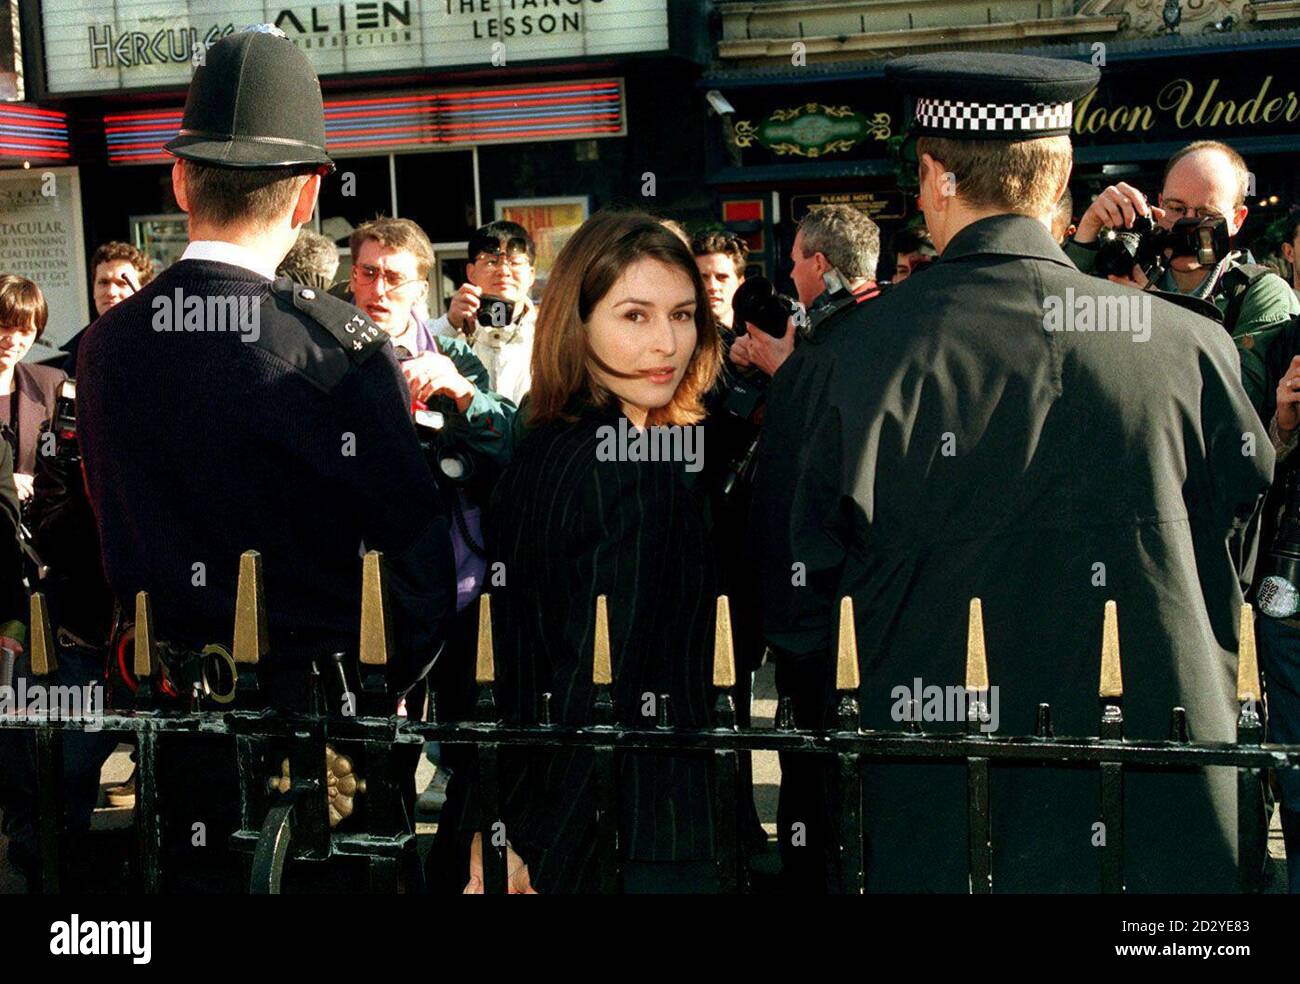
<point>391,260</point>
<point>492,311</point>
<point>1203,198</point>
<point>468,443</point>
<point>835,253</point>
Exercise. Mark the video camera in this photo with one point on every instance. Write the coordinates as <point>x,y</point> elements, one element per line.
<point>1151,247</point>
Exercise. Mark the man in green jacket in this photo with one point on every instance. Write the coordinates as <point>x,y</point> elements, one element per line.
<point>1205,179</point>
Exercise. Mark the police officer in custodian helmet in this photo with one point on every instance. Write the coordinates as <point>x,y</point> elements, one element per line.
<point>223,410</point>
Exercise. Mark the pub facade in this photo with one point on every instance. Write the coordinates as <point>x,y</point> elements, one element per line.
<point>813,121</point>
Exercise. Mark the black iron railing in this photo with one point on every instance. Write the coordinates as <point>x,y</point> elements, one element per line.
<point>323,787</point>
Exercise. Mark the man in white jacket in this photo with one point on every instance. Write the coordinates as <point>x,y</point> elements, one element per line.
<point>492,310</point>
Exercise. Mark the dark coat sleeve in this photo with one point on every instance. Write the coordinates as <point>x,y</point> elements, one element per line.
<point>13,596</point>
<point>419,566</point>
<point>1238,454</point>
<point>796,506</point>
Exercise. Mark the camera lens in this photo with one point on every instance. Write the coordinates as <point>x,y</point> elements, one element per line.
<point>756,302</point>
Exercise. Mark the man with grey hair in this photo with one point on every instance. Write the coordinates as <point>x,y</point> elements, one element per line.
<point>835,249</point>
<point>312,260</point>
<point>834,254</point>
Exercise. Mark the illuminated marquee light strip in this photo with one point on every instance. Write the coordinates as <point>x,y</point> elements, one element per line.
<point>500,114</point>
<point>32,133</point>
<point>137,138</point>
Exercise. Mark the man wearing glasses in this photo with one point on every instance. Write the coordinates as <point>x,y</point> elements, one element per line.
<point>1205,179</point>
<point>501,329</point>
<point>391,260</point>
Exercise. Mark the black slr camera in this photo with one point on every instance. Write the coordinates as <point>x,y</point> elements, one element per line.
<point>757,302</point>
<point>1151,247</point>
<point>493,311</point>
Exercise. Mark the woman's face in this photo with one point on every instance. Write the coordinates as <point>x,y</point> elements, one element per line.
<point>645,325</point>
<point>15,341</point>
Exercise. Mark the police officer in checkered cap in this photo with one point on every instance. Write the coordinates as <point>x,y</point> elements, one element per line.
<point>1009,429</point>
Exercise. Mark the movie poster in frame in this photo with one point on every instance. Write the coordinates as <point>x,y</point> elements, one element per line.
<point>549,221</point>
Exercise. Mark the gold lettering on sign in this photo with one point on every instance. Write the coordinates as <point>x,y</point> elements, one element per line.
<point>1188,107</point>
<point>1088,119</point>
<point>1176,95</point>
<point>1199,118</point>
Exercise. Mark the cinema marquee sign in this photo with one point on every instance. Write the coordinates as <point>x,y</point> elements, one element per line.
<point>152,43</point>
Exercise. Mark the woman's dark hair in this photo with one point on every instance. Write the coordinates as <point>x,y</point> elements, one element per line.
<point>22,304</point>
<point>589,265</point>
<point>501,236</point>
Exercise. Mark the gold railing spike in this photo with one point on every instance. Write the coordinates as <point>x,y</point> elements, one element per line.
<point>146,645</point>
<point>846,660</point>
<point>252,640</point>
<point>1112,677</point>
<point>376,628</point>
<point>602,668</point>
<point>1248,687</point>
<point>485,667</point>
<point>44,661</point>
<point>724,651</point>
<point>977,659</point>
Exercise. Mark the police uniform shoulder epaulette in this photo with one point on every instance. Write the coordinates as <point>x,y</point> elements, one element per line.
<point>358,335</point>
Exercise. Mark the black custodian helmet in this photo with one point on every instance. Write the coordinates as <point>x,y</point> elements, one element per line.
<point>254,102</point>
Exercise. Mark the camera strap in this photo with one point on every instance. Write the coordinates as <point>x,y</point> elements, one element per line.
<point>1239,280</point>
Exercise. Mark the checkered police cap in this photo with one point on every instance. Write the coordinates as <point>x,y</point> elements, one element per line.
<point>1020,119</point>
<point>988,96</point>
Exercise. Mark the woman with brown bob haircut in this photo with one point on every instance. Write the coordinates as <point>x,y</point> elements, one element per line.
<point>625,348</point>
<point>28,391</point>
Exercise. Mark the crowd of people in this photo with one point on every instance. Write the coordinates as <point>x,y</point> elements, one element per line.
<point>909,441</point>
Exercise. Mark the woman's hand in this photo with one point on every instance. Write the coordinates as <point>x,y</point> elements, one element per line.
<point>517,880</point>
<point>26,485</point>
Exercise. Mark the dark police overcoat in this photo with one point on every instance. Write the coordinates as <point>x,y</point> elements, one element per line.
<point>942,444</point>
